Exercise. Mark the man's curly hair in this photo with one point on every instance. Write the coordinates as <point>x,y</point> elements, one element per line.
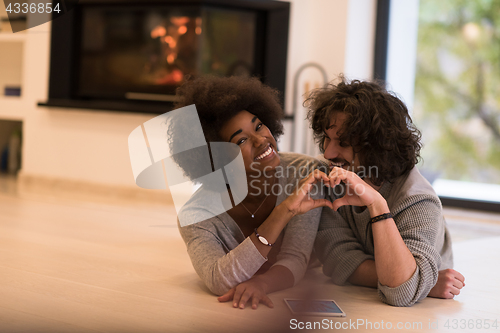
<point>217,100</point>
<point>377,125</point>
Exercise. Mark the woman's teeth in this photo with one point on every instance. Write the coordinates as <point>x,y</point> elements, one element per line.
<point>265,154</point>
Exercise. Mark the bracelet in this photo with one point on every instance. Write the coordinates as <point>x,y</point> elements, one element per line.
<point>262,239</point>
<point>381,217</point>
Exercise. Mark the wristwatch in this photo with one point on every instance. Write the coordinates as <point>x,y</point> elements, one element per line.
<point>262,239</point>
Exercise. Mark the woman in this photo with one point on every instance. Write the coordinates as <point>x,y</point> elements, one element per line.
<point>263,244</point>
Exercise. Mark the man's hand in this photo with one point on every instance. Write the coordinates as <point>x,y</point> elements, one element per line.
<point>252,290</point>
<point>448,285</point>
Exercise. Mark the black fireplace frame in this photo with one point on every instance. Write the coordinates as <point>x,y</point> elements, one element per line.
<point>273,28</point>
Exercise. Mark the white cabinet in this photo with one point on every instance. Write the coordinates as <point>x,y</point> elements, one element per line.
<point>12,55</point>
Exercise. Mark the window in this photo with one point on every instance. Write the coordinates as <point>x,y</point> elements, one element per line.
<point>456,95</point>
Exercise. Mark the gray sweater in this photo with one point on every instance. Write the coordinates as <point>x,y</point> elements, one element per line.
<point>345,238</point>
<point>224,258</point>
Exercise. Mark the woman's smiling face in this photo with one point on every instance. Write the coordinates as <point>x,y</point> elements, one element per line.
<point>255,140</point>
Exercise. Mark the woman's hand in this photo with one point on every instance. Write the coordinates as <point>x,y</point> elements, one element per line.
<point>358,192</point>
<point>252,290</point>
<point>448,284</point>
<point>300,201</point>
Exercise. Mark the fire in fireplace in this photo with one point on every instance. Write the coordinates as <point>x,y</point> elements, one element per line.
<point>111,54</point>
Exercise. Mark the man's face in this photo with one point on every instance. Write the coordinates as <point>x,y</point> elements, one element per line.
<point>337,155</point>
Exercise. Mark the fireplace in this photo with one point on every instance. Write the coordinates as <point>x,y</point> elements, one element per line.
<point>131,55</point>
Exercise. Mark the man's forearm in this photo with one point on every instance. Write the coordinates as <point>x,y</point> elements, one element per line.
<point>365,275</point>
<point>395,263</point>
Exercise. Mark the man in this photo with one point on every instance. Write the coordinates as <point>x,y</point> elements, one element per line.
<point>387,230</point>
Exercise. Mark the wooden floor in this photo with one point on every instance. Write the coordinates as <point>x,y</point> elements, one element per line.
<point>84,266</point>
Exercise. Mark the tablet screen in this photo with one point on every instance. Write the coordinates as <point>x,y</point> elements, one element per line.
<point>318,306</point>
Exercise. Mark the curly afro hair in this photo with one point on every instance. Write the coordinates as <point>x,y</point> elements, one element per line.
<point>217,100</point>
<point>377,126</point>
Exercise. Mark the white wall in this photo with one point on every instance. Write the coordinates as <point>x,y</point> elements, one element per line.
<point>91,146</point>
<point>360,40</point>
<point>339,36</point>
<point>317,34</point>
<point>79,145</point>
<point>402,49</point>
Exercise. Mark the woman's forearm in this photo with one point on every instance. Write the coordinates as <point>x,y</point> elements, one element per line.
<point>276,278</point>
<point>256,289</point>
<point>297,203</point>
<point>272,227</point>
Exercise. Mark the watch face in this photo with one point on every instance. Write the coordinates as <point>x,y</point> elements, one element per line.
<point>263,240</point>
